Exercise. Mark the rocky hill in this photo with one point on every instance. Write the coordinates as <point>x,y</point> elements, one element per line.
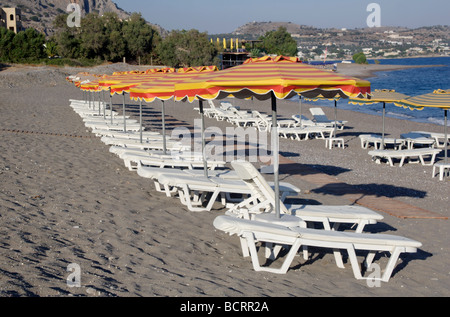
<point>40,14</point>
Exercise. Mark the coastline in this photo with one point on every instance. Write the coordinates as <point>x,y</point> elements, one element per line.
<point>64,198</point>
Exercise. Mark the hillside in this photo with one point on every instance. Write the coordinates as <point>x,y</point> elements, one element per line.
<point>40,14</point>
<point>367,37</point>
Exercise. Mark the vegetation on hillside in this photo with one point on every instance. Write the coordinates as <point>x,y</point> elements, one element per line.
<point>107,38</point>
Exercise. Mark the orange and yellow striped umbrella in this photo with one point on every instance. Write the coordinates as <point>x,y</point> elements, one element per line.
<point>121,82</point>
<point>163,88</point>
<point>271,78</point>
<point>284,76</point>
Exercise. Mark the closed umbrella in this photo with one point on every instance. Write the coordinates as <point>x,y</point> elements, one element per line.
<point>380,96</point>
<point>437,99</point>
<point>271,78</point>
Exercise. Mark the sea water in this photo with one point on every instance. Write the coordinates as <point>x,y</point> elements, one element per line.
<point>411,82</point>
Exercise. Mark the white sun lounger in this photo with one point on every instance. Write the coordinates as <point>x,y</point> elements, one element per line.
<point>115,126</point>
<point>146,145</point>
<point>286,189</point>
<point>306,122</point>
<point>127,134</point>
<point>133,160</point>
<point>438,137</point>
<point>265,122</point>
<point>193,190</point>
<point>243,119</point>
<point>295,237</point>
<point>367,139</point>
<point>320,117</point>
<point>262,199</point>
<point>305,133</point>
<point>406,155</point>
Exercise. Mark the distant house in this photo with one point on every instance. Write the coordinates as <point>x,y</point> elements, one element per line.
<point>10,18</point>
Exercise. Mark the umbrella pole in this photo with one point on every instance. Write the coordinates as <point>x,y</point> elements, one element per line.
<point>301,102</point>
<point>205,165</point>
<point>99,102</point>
<point>140,119</point>
<point>110,108</point>
<point>104,107</point>
<point>335,117</point>
<point>124,119</point>
<point>446,135</point>
<point>275,149</point>
<point>89,97</point>
<point>383,133</point>
<point>164,127</point>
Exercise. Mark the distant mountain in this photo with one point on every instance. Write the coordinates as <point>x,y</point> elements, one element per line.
<point>40,14</point>
<point>364,37</point>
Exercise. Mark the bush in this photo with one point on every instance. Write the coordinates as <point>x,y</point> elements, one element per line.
<point>360,58</point>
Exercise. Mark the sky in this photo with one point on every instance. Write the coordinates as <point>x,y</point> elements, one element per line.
<point>216,17</point>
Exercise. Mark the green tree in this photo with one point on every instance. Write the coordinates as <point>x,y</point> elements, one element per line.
<point>68,39</point>
<point>360,58</point>
<point>140,37</point>
<point>6,41</point>
<point>93,37</point>
<point>116,46</point>
<point>28,46</point>
<point>279,42</point>
<point>187,48</point>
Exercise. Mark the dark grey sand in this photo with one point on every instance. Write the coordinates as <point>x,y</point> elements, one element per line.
<point>65,199</point>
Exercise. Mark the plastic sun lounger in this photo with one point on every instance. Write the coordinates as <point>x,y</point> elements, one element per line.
<point>133,160</point>
<point>320,117</point>
<point>151,144</point>
<point>262,201</point>
<point>306,122</point>
<point>126,134</point>
<point>305,133</point>
<point>406,154</point>
<point>367,139</point>
<point>286,189</point>
<point>416,138</point>
<point>193,190</point>
<point>115,126</point>
<point>296,237</point>
<point>438,137</point>
<point>243,119</point>
<point>265,122</point>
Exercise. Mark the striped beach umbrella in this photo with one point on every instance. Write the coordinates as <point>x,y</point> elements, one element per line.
<point>272,78</point>
<point>121,83</point>
<point>163,89</point>
<point>437,99</point>
<point>383,96</point>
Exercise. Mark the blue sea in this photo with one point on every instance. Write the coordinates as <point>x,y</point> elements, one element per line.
<point>412,82</point>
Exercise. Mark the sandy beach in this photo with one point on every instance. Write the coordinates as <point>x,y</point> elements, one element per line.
<point>64,198</point>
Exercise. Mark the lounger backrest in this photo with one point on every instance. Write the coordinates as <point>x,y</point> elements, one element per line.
<point>303,118</point>
<point>225,105</point>
<point>248,173</point>
<point>234,225</point>
<point>319,115</point>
